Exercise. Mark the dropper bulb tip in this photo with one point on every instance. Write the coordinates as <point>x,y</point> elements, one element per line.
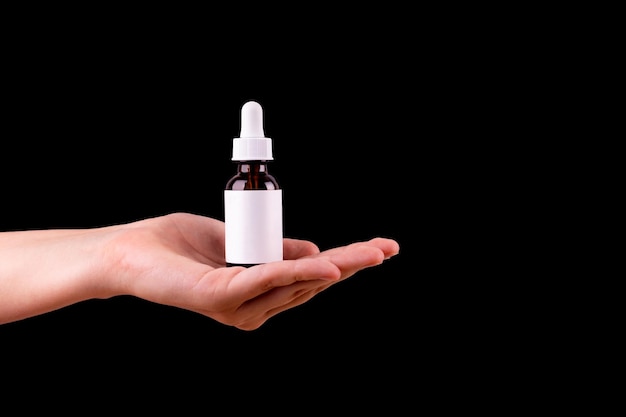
<point>252,120</point>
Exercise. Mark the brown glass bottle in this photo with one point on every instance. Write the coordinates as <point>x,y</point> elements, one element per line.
<point>252,198</point>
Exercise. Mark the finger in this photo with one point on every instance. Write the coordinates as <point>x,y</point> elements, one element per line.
<point>352,258</point>
<point>256,312</point>
<point>256,280</point>
<point>297,248</point>
<point>389,247</point>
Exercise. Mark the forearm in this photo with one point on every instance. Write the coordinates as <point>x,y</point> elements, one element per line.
<point>44,270</point>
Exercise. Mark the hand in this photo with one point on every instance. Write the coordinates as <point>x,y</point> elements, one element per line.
<point>175,260</point>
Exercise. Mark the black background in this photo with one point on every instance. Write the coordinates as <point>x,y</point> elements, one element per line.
<point>416,124</point>
<point>367,130</point>
<point>97,141</point>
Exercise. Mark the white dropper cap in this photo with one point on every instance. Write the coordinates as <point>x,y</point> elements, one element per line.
<point>252,145</point>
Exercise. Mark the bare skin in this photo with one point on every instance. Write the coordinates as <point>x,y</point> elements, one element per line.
<point>175,260</point>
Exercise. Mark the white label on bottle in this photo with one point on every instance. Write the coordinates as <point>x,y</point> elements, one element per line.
<point>254,226</point>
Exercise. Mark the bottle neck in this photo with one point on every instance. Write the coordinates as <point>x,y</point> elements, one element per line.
<point>252,175</point>
<point>253,167</point>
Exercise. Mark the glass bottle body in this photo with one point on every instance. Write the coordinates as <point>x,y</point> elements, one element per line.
<point>253,216</point>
